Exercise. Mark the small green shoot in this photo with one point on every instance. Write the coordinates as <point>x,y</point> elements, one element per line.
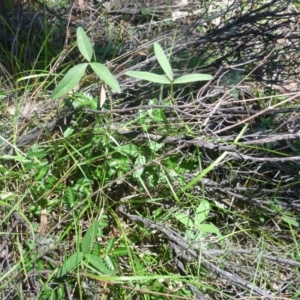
<point>85,254</point>
<point>197,222</point>
<point>74,75</point>
<point>169,78</point>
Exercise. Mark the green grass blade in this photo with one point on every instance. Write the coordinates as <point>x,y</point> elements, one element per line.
<point>204,172</point>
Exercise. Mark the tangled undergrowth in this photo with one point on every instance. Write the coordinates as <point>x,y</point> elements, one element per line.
<point>154,192</point>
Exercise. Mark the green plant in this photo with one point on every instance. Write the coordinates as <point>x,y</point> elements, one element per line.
<point>196,229</point>
<point>169,78</point>
<point>152,162</point>
<point>89,253</point>
<point>73,76</point>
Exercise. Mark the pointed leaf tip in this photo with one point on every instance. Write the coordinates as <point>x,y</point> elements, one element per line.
<point>84,44</point>
<point>104,74</point>
<point>70,80</point>
<point>163,60</point>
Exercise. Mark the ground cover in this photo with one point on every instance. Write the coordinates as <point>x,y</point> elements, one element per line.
<point>117,184</point>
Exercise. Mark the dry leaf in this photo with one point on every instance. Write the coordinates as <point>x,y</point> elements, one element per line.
<point>43,222</point>
<point>11,109</point>
<point>28,109</point>
<point>102,95</point>
<point>80,4</point>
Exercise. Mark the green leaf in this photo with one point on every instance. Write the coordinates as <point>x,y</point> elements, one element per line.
<point>140,161</point>
<point>99,264</point>
<point>148,76</point>
<point>72,262</point>
<point>145,11</point>
<point>154,146</point>
<point>202,211</point>
<point>208,228</point>
<point>108,261</point>
<point>103,72</point>
<point>84,44</point>
<point>184,219</point>
<point>89,237</point>
<point>163,60</point>
<point>109,245</point>
<point>121,251</point>
<point>192,78</point>
<point>129,149</point>
<point>235,93</point>
<point>70,80</point>
<point>68,132</point>
<point>290,221</point>
<point>83,100</point>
